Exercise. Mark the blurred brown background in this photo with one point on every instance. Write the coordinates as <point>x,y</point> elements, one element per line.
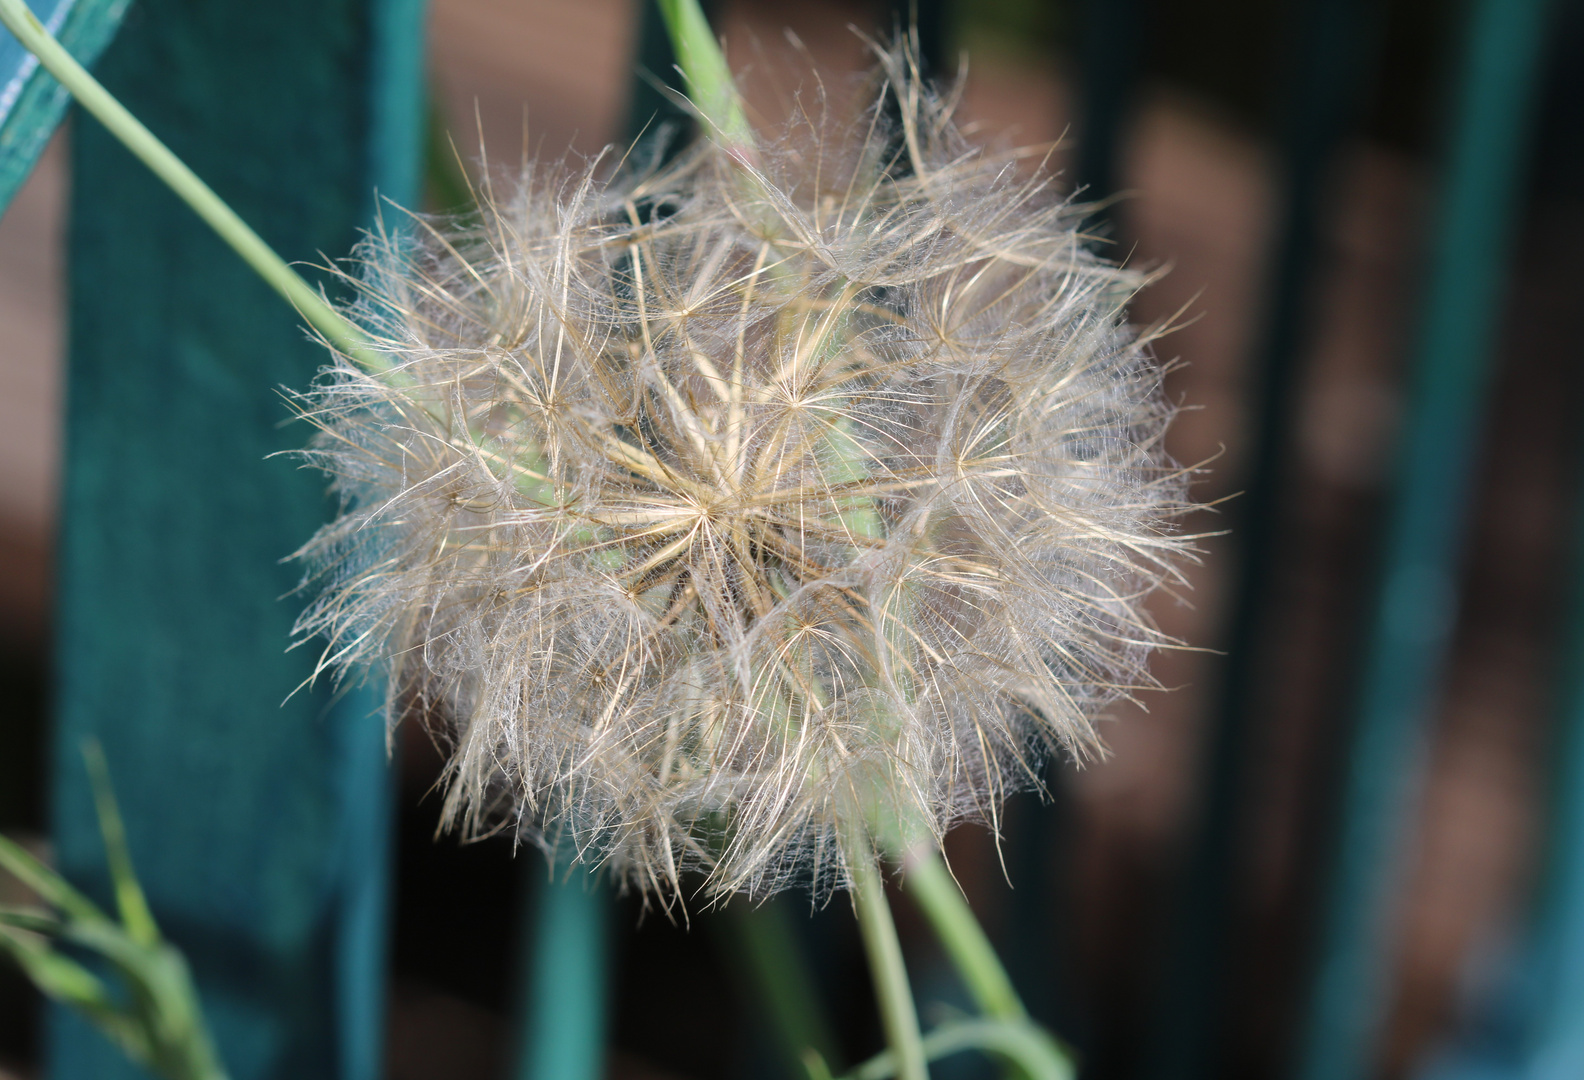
<point>1198,164</point>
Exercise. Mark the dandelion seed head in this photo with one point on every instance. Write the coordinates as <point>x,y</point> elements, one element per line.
<point>725,514</point>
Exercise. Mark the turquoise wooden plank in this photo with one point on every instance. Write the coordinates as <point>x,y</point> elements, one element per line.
<point>563,1022</point>
<point>1414,604</point>
<point>1554,1047</point>
<point>1331,59</point>
<point>651,111</point>
<point>395,95</point>
<point>1534,1030</point>
<point>31,101</point>
<point>1530,1026</point>
<point>261,829</point>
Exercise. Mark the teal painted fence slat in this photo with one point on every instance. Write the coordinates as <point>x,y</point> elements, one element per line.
<point>1531,1026</point>
<point>1331,57</point>
<point>259,818</point>
<point>396,101</point>
<point>31,101</point>
<point>566,972</point>
<point>649,109</point>
<point>1555,1049</point>
<point>1413,609</point>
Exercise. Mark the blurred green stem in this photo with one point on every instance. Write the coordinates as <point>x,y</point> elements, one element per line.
<point>897,1013</point>
<point>154,1014</point>
<point>765,943</point>
<point>709,79</point>
<point>449,189</point>
<point>931,886</point>
<point>1019,1041</point>
<point>185,183</point>
<point>927,881</point>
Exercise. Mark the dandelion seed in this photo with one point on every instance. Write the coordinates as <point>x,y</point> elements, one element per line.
<point>724,515</point>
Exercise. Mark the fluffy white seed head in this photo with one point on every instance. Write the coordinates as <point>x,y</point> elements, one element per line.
<point>724,516</point>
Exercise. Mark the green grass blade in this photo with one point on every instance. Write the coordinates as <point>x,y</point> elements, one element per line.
<point>33,920</point>
<point>765,944</point>
<point>930,885</point>
<point>45,882</point>
<point>133,905</point>
<point>163,1002</point>
<point>57,976</point>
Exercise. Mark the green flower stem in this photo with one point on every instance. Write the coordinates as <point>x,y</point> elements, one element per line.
<point>931,886</point>
<point>927,881</point>
<point>1018,1041</point>
<point>897,1013</point>
<point>185,183</point>
<point>709,79</point>
<point>763,942</point>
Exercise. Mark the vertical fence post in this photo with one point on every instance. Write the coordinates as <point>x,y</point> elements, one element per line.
<point>1334,45</point>
<point>1113,46</point>
<point>1413,608</point>
<point>1528,1023</point>
<point>563,1025</point>
<point>261,829</point>
<point>648,108</point>
<point>1531,1028</point>
<point>1555,1046</point>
